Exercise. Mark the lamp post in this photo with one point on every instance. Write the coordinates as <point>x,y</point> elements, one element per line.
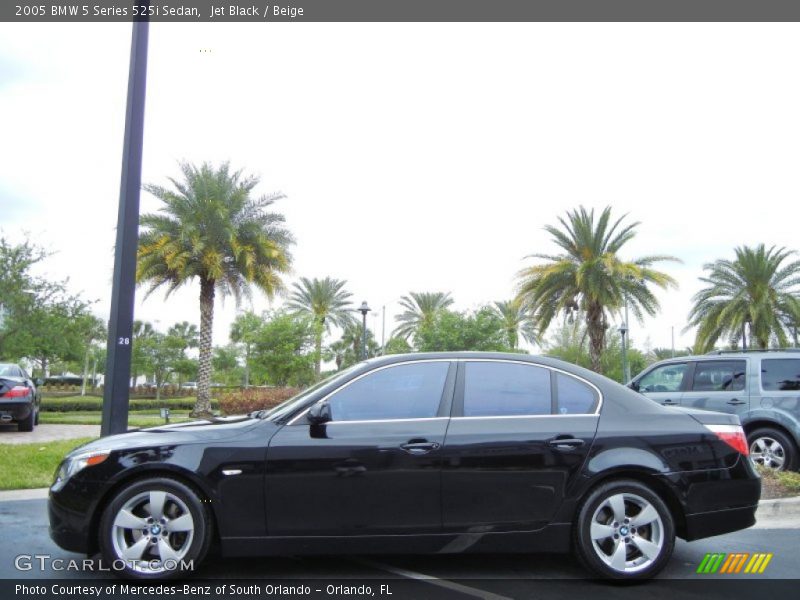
<point>624,330</point>
<point>364,309</point>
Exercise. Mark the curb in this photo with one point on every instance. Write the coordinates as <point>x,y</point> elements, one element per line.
<point>31,494</point>
<point>779,508</point>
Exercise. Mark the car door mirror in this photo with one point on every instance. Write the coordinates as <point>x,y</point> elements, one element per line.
<point>319,413</point>
<point>634,385</point>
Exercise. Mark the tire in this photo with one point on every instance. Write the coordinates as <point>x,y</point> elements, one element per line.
<point>36,420</point>
<point>132,553</point>
<point>651,539</point>
<point>773,449</point>
<point>27,423</point>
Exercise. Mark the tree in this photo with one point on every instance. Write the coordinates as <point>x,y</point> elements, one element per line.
<point>327,303</point>
<point>421,308</point>
<point>244,331</point>
<point>284,349</point>
<point>161,353</point>
<point>482,330</point>
<point>225,361</point>
<point>141,331</point>
<point>210,228</point>
<point>186,337</point>
<point>569,342</point>
<point>94,330</point>
<point>516,322</point>
<point>760,287</point>
<point>347,349</point>
<point>397,345</point>
<point>591,277</point>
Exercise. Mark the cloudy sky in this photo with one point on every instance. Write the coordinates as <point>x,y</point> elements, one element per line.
<point>414,156</point>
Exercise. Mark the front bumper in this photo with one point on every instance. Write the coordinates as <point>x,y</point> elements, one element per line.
<point>70,520</point>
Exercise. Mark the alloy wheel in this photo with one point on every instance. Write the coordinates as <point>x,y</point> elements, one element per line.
<point>627,533</point>
<point>153,531</point>
<point>769,452</point>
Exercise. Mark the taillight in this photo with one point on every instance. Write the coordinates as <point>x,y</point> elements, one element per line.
<point>18,391</point>
<point>733,435</point>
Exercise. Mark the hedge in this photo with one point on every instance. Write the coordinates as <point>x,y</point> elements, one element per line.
<point>250,399</point>
<point>89,403</point>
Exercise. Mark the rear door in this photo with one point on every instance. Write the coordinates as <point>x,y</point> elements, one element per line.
<point>518,437</point>
<point>718,385</point>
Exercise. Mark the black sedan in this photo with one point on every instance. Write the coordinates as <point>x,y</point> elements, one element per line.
<point>19,398</point>
<point>424,453</point>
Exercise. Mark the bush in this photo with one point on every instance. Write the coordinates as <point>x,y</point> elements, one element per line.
<point>90,403</point>
<point>244,401</point>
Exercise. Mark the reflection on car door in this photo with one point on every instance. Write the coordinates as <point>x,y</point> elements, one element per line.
<point>375,468</point>
<point>718,385</point>
<point>519,435</point>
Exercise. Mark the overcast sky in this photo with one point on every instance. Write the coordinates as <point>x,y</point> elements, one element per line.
<point>422,157</point>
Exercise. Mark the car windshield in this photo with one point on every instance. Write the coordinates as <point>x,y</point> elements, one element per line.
<point>8,370</point>
<point>287,406</point>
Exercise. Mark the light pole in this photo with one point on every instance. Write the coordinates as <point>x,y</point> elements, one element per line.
<point>364,309</point>
<point>623,330</point>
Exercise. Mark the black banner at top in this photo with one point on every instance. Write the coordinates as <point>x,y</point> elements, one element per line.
<point>194,11</point>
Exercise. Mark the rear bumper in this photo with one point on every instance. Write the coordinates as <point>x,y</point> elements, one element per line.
<point>702,525</point>
<point>17,411</point>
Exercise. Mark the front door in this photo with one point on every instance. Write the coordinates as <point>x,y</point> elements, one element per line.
<point>519,436</point>
<point>375,468</point>
<point>718,385</point>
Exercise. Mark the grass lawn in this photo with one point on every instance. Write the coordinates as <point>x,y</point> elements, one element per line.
<point>25,466</point>
<point>138,418</point>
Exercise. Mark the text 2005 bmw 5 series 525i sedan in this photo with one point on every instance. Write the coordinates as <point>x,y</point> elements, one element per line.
<point>424,453</point>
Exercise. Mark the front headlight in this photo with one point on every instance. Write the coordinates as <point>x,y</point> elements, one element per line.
<point>74,464</point>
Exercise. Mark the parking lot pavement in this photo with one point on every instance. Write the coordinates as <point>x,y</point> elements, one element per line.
<point>46,433</point>
<point>485,576</point>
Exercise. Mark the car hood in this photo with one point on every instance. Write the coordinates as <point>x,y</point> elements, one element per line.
<point>177,433</point>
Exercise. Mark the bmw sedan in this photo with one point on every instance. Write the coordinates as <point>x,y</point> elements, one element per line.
<point>19,397</point>
<point>423,453</point>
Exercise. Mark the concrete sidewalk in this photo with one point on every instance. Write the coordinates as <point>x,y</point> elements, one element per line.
<point>46,433</point>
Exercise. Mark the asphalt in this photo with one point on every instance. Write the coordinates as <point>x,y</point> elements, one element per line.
<point>23,523</point>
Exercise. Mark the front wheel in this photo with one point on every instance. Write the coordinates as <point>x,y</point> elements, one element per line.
<point>624,531</point>
<point>154,529</point>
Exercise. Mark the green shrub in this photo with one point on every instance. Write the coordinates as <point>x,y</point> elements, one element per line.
<point>90,403</point>
<point>244,401</point>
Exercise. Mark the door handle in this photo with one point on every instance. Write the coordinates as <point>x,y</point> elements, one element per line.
<point>736,402</point>
<point>419,447</point>
<point>566,443</point>
<point>670,402</point>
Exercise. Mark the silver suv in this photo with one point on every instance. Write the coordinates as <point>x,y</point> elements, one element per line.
<point>761,387</point>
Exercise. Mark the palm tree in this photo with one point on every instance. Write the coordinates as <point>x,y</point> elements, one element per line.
<point>590,276</point>
<point>421,309</point>
<point>327,303</point>
<point>211,228</point>
<point>516,322</point>
<point>759,287</point>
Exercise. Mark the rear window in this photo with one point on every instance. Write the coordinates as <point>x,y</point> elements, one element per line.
<point>780,374</point>
<point>574,397</point>
<point>719,376</point>
<point>498,389</point>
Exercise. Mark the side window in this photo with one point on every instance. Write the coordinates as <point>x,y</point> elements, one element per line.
<point>409,391</point>
<point>498,389</point>
<point>666,378</point>
<point>780,374</point>
<point>574,397</point>
<point>719,376</point>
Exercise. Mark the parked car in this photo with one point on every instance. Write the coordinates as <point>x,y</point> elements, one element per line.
<point>424,453</point>
<point>19,397</point>
<point>189,385</point>
<point>762,388</point>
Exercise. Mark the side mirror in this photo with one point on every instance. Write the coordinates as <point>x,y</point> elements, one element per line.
<point>319,413</point>
<point>634,385</point>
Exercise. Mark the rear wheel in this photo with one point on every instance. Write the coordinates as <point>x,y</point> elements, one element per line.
<point>27,423</point>
<point>624,531</point>
<point>773,449</point>
<point>154,529</point>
